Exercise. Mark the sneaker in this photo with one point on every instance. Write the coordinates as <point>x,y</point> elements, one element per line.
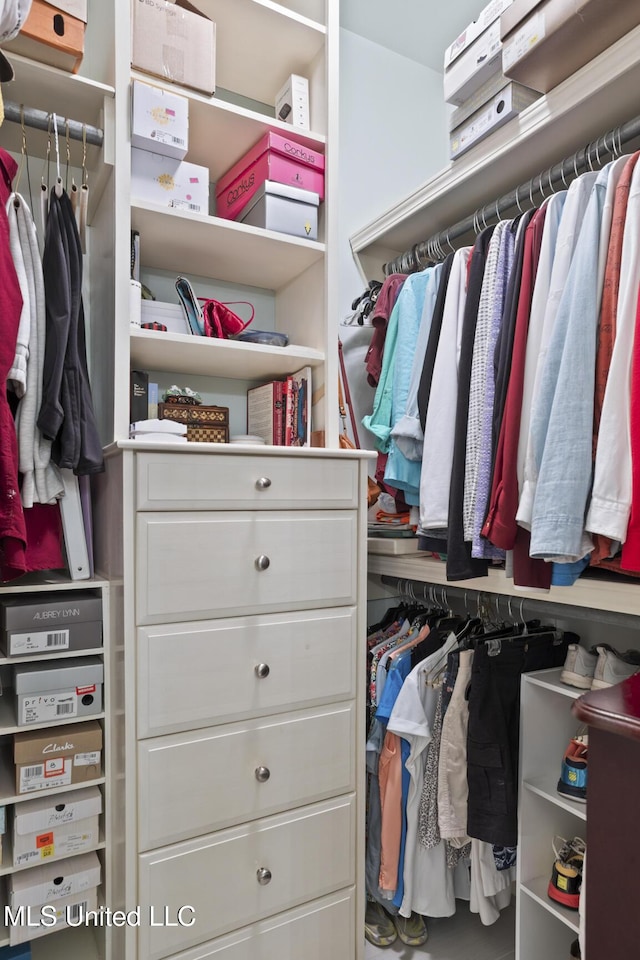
<point>579,667</point>
<point>613,667</point>
<point>575,950</point>
<point>411,930</point>
<point>566,876</point>
<point>378,926</point>
<point>573,776</point>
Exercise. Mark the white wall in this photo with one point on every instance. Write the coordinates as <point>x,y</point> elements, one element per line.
<point>393,137</point>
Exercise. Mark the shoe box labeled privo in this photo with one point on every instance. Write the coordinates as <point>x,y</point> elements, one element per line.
<point>70,887</point>
<point>51,623</point>
<point>48,828</point>
<point>58,756</point>
<point>58,691</point>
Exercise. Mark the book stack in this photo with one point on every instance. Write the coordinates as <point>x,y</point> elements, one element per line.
<point>280,411</point>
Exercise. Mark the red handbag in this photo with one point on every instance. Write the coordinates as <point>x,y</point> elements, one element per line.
<point>220,321</point>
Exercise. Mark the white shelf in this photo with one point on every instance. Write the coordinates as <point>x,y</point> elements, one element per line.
<point>550,680</point>
<point>545,787</point>
<point>220,132</point>
<point>588,592</point>
<point>598,97</point>
<point>205,246</point>
<point>259,43</point>
<point>537,890</point>
<point>44,658</point>
<point>51,584</point>
<point>60,945</point>
<point>203,356</point>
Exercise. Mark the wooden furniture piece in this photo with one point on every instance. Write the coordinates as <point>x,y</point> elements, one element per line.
<point>613,834</point>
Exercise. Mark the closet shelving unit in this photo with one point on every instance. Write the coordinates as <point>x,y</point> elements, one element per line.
<point>597,98</point>
<point>87,98</point>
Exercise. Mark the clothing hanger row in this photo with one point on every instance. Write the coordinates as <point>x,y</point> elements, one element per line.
<point>537,190</point>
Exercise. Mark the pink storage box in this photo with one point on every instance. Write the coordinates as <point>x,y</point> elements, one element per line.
<point>274,157</point>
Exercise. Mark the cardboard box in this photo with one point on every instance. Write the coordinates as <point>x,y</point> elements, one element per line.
<point>474,67</point>
<point>159,120</point>
<point>58,691</point>
<point>175,41</point>
<point>273,157</point>
<point>511,101</point>
<point>77,8</point>
<point>50,36</point>
<point>485,18</point>
<point>68,888</point>
<point>292,102</point>
<point>169,182</point>
<point>544,43</point>
<point>52,758</point>
<point>47,828</point>
<point>284,209</point>
<point>50,623</point>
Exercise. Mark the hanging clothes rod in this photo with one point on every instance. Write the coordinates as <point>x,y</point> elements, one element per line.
<point>590,157</point>
<point>40,120</point>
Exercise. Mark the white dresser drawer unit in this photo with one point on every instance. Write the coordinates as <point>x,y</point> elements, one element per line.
<point>242,771</point>
<point>195,674</point>
<point>224,482</point>
<point>244,874</point>
<point>322,930</point>
<point>191,565</point>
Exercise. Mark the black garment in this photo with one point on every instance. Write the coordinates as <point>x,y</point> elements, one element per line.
<point>66,415</point>
<point>504,343</point>
<point>424,387</point>
<point>494,729</point>
<point>460,564</point>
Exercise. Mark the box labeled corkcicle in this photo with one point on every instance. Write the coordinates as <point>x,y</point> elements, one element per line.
<point>50,623</point>
<point>274,158</point>
<point>59,690</point>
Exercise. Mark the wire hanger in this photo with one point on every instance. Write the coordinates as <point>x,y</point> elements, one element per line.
<point>59,185</point>
<point>44,186</point>
<point>84,193</point>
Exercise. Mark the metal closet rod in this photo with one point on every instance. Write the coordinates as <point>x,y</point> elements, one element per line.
<point>502,604</point>
<point>41,120</point>
<point>440,244</point>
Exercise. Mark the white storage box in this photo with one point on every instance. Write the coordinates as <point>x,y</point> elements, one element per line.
<point>171,315</point>
<point>292,102</point>
<point>159,120</point>
<point>507,104</point>
<point>277,206</point>
<point>67,889</point>
<point>168,182</point>
<point>58,691</point>
<point>474,67</point>
<point>480,98</point>
<point>47,828</point>
<point>485,18</point>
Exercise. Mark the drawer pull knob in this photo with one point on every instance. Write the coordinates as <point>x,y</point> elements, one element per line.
<point>262,670</point>
<point>262,774</point>
<point>263,483</point>
<point>262,562</point>
<point>264,876</point>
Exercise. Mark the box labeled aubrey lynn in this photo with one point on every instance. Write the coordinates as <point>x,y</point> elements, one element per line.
<point>58,756</point>
<point>47,828</point>
<point>275,158</point>
<point>50,623</point>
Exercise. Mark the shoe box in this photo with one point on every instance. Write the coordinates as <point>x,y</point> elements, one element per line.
<point>48,828</point>
<point>159,120</point>
<point>50,624</point>
<point>168,182</point>
<point>509,102</point>
<point>57,691</point>
<point>546,41</point>
<point>53,894</point>
<point>57,756</point>
<point>285,209</point>
<point>176,42</point>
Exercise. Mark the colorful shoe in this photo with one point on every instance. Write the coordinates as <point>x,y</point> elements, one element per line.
<point>411,930</point>
<point>573,777</point>
<point>579,667</point>
<point>613,667</point>
<point>378,926</point>
<point>566,876</point>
